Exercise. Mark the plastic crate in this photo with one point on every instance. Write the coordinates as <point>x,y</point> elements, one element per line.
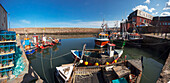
<point>120,80</point>
<point>7,47</point>
<point>6,70</point>
<point>7,35</point>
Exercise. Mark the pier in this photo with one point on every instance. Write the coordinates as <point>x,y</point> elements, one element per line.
<point>28,75</point>
<point>163,42</point>
<point>160,36</point>
<point>165,74</point>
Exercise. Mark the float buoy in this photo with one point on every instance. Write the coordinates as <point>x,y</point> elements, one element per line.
<point>86,63</point>
<point>96,64</point>
<point>107,63</point>
<point>115,61</point>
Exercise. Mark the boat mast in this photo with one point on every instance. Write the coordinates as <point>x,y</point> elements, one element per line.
<point>102,26</point>
<point>123,23</point>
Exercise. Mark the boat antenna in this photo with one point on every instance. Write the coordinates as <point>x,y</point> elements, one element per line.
<point>84,47</point>
<point>102,25</point>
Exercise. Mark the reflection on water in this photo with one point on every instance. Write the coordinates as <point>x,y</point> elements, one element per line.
<point>45,61</point>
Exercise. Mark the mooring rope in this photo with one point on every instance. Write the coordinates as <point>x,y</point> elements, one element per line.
<point>43,70</point>
<point>51,61</point>
<point>55,57</point>
<point>61,55</point>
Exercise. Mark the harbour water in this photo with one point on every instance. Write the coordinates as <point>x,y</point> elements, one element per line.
<point>45,61</point>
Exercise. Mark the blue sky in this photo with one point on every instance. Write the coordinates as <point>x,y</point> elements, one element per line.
<point>77,13</point>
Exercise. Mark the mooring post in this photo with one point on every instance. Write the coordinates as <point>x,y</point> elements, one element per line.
<point>142,61</point>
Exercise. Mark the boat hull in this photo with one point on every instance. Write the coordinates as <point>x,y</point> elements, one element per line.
<point>135,42</point>
<point>101,42</point>
<point>29,52</point>
<point>92,60</point>
<point>119,43</point>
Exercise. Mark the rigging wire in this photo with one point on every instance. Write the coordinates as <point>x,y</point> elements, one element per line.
<point>43,70</point>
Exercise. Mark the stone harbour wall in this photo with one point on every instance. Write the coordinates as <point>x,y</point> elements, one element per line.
<point>55,30</point>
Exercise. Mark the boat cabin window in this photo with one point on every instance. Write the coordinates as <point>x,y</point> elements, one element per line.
<point>102,37</point>
<point>113,47</point>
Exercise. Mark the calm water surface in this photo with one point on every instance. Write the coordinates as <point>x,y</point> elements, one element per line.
<point>45,61</point>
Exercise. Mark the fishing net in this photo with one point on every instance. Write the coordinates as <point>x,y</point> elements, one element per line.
<point>18,62</point>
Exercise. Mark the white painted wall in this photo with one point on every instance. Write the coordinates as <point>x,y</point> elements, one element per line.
<point>3,19</point>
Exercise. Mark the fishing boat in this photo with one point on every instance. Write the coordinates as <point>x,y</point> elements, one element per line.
<point>102,39</point>
<point>98,56</point>
<point>65,71</point>
<point>36,41</point>
<point>128,71</point>
<point>134,36</point>
<point>134,39</point>
<point>46,43</point>
<point>117,39</point>
<point>55,41</point>
<point>29,48</point>
<point>30,51</point>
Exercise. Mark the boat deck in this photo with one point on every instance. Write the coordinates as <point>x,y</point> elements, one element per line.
<point>104,56</point>
<point>136,63</point>
<point>87,75</point>
<point>121,71</point>
<point>115,72</point>
<point>85,71</point>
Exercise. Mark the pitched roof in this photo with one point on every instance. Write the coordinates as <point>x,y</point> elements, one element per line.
<point>3,8</point>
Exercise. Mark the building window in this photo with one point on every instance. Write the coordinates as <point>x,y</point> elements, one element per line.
<point>160,23</point>
<point>165,23</point>
<point>140,19</point>
<point>134,19</point>
<point>168,23</point>
<point>144,21</point>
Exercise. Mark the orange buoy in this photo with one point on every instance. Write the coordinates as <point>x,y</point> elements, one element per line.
<point>96,64</point>
<point>115,61</point>
<point>107,63</point>
<point>86,63</point>
<point>41,46</point>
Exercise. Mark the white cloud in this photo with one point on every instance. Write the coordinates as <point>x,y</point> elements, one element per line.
<point>147,1</point>
<point>167,5</point>
<point>165,14</point>
<point>143,8</point>
<point>152,9</point>
<point>25,21</point>
<point>90,24</point>
<point>157,4</point>
<point>156,13</point>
